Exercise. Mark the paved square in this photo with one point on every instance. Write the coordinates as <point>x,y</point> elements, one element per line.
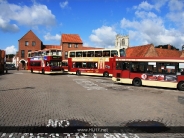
<point>32,99</point>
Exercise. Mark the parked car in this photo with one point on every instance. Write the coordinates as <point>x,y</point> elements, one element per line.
<point>10,67</point>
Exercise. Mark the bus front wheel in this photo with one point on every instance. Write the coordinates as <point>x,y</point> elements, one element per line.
<point>181,86</point>
<point>137,82</point>
<point>78,72</point>
<point>106,74</point>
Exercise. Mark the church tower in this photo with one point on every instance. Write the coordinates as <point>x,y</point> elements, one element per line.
<point>122,41</point>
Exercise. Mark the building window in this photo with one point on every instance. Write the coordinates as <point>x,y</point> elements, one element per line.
<point>66,54</point>
<point>33,43</point>
<point>26,43</point>
<point>22,53</point>
<point>123,42</point>
<point>76,45</point>
<point>69,45</point>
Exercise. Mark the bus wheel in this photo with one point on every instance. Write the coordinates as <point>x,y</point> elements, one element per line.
<point>43,71</point>
<point>78,72</point>
<point>137,82</point>
<point>31,70</point>
<point>181,86</point>
<point>106,74</point>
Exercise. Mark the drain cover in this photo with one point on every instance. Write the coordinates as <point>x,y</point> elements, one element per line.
<point>147,126</point>
<point>78,123</point>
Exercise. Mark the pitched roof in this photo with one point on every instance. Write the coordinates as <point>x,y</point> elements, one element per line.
<point>168,52</point>
<point>30,31</point>
<point>73,38</point>
<point>138,51</point>
<point>52,47</point>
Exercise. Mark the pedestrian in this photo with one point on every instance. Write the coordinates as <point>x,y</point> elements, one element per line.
<point>18,68</point>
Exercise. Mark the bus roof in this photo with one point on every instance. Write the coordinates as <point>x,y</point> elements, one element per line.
<point>150,59</point>
<point>94,50</point>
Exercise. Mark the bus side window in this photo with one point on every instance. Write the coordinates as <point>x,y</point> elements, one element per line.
<point>126,66</point>
<point>134,67</point>
<point>150,69</point>
<point>78,64</point>
<point>84,54</point>
<point>90,54</point>
<point>118,66</point>
<point>72,54</point>
<point>114,53</point>
<point>84,65</point>
<point>78,54</point>
<point>106,53</point>
<point>90,65</point>
<point>98,53</point>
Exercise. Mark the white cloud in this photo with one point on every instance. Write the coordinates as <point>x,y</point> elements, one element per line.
<point>148,27</point>
<point>48,36</point>
<point>176,14</point>
<point>6,27</point>
<point>176,5</point>
<point>86,44</point>
<point>32,16</point>
<point>11,50</point>
<point>103,37</point>
<point>144,5</point>
<point>63,4</point>
<point>143,14</point>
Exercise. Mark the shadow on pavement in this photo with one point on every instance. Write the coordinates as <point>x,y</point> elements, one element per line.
<point>18,88</point>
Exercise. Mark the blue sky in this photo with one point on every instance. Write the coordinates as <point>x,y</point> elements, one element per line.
<point>96,21</point>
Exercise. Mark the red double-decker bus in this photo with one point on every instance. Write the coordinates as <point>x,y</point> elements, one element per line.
<point>157,72</point>
<point>65,65</point>
<point>45,61</point>
<point>93,62</point>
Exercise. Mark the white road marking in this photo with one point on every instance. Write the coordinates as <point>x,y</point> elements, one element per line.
<point>88,84</point>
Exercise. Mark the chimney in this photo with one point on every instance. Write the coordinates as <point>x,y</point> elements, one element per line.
<point>169,46</point>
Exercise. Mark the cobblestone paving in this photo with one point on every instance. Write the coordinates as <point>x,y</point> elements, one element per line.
<point>32,99</point>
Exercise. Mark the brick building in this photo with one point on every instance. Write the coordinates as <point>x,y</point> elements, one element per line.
<point>72,42</point>
<point>30,42</point>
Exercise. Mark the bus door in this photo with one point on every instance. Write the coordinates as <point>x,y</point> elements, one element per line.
<point>47,66</point>
<point>125,70</point>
